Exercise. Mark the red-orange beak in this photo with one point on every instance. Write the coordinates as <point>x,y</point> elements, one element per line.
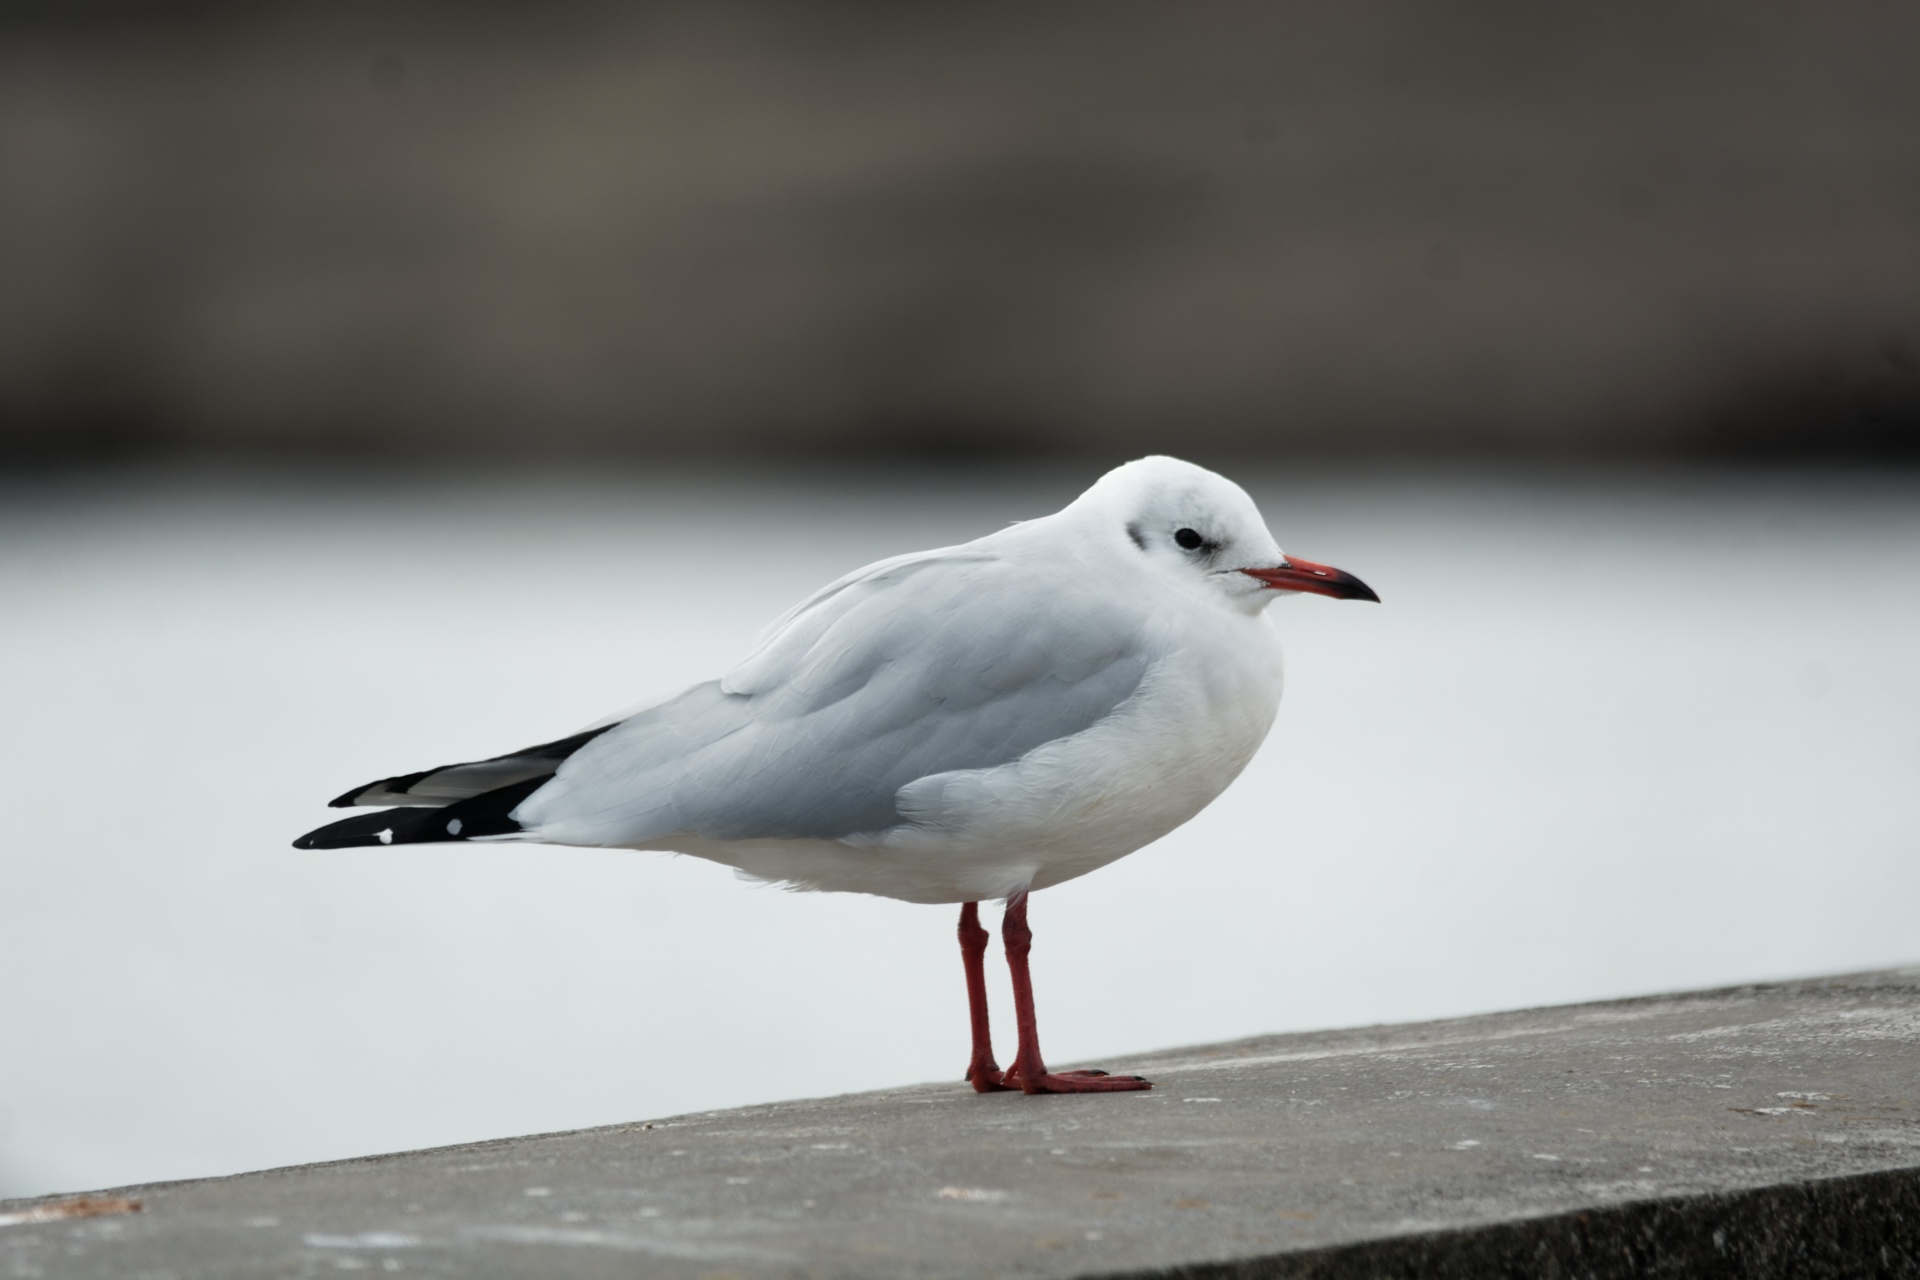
<point>1321,579</point>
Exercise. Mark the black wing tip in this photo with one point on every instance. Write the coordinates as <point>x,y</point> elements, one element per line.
<point>403,784</point>
<point>351,799</point>
<point>488,814</point>
<point>398,786</point>
<point>384,827</point>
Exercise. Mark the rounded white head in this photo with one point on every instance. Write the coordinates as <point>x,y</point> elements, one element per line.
<point>1201,529</point>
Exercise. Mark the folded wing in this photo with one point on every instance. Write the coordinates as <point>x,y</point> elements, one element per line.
<point>928,664</point>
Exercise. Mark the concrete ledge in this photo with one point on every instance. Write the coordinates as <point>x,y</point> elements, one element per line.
<point>1756,1131</point>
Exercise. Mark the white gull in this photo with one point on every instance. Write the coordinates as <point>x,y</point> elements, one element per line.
<point>974,722</point>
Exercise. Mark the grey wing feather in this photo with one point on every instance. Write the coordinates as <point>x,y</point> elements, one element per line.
<point>920,666</point>
<point>441,786</point>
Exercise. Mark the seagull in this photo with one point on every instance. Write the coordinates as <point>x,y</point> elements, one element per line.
<point>971,723</point>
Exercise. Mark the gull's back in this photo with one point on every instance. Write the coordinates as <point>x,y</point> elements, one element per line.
<point>961,659</point>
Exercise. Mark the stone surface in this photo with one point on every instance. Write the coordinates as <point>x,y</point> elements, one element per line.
<point>1758,1130</point>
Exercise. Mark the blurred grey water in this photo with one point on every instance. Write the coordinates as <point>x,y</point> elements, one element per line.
<point>1614,730</point>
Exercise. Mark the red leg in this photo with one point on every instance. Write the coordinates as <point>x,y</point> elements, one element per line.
<point>982,1071</point>
<point>1028,1071</point>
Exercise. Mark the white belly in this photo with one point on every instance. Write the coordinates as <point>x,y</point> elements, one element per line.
<point>1066,808</point>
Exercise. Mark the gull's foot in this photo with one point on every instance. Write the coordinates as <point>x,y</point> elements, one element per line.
<point>1074,1082</point>
<point>988,1078</point>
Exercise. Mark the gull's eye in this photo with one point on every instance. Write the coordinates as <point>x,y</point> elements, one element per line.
<point>1188,540</point>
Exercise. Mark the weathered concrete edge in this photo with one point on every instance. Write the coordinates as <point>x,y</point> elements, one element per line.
<point>1862,978</point>
<point>1858,1225</point>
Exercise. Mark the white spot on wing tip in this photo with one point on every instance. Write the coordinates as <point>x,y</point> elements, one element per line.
<point>386,837</point>
<point>453,827</point>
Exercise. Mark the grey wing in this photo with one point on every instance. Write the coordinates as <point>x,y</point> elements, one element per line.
<point>925,666</point>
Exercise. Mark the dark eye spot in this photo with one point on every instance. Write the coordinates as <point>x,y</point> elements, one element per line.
<point>1188,540</point>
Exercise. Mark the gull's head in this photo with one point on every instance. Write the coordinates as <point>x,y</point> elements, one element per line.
<point>1201,529</point>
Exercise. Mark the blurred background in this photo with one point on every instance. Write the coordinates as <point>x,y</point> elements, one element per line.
<point>384,384</point>
<point>684,227</point>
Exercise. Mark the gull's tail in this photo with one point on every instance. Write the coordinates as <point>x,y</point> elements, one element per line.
<point>452,802</point>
